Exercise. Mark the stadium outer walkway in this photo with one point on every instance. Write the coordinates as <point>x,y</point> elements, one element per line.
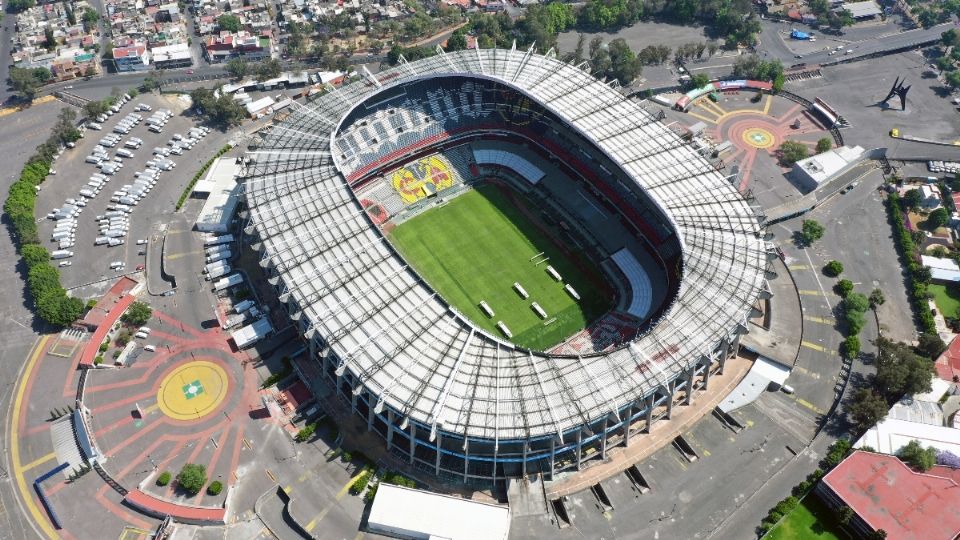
<point>684,417</point>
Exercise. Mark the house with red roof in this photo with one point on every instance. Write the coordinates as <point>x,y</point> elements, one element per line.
<point>885,494</point>
<point>948,364</point>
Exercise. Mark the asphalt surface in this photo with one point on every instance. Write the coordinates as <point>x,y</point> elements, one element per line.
<point>22,133</point>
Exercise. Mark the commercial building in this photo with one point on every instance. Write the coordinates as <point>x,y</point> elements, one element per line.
<point>809,174</point>
<point>404,512</point>
<point>172,56</point>
<point>221,191</point>
<point>134,57</point>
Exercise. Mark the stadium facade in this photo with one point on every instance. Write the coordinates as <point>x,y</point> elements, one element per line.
<point>448,397</point>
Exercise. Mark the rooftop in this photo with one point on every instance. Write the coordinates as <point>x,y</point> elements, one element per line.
<point>888,495</point>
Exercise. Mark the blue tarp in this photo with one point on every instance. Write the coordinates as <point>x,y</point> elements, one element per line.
<point>796,34</point>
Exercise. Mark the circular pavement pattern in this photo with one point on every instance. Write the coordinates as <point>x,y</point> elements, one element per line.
<point>192,390</point>
<point>758,137</point>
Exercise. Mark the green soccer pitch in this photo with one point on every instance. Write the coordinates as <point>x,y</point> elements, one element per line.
<point>476,246</point>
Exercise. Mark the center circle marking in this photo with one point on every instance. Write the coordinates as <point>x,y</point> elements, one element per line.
<point>758,137</point>
<point>192,390</point>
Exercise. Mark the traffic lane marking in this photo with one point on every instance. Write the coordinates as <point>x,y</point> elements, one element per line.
<point>36,462</point>
<point>822,320</point>
<point>340,494</point>
<point>38,517</point>
<point>818,348</point>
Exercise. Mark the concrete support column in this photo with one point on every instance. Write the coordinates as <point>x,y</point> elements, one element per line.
<point>603,438</point>
<point>706,374</point>
<point>579,447</point>
<point>390,429</point>
<point>437,460</point>
<point>413,440</point>
<point>313,348</point>
<point>650,401</point>
<point>670,391</point>
<point>690,376</point>
<point>724,353</point>
<point>370,413</point>
<point>626,425</point>
<point>553,456</point>
<point>353,401</point>
<point>466,457</point>
<point>523,465</point>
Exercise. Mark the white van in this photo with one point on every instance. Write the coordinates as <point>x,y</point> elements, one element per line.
<point>140,335</point>
<point>149,348</point>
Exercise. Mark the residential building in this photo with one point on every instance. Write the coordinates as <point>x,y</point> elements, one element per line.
<point>885,494</point>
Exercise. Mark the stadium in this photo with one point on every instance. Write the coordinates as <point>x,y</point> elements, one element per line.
<point>503,266</point>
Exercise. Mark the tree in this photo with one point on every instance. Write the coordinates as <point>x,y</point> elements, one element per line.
<point>850,347</point>
<point>215,488</point>
<point>953,79</point>
<point>824,144</point>
<point>843,288</point>
<point>25,81</point>
<point>900,370</point>
<point>699,80</point>
<point>876,298</point>
<point>49,42</point>
<point>811,231</point>
<point>17,6</point>
<point>269,69</point>
<point>229,23</point>
<point>191,478</point>
<point>34,254</point>
<point>792,152</point>
<point>931,345</point>
<point>137,314</point>
<point>94,109</point>
<point>844,515</point>
<point>457,42</point>
<point>878,534</point>
<point>90,18</point>
<point>55,307</point>
<point>912,199</point>
<point>237,68</point>
<point>918,457</point>
<point>867,408</point>
<point>833,268</point>
<point>151,82</point>
<point>853,307</point>
<point>950,38</point>
<point>938,218</point>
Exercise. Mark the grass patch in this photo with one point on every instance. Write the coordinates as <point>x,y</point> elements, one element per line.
<point>476,246</point>
<point>946,297</point>
<point>810,520</point>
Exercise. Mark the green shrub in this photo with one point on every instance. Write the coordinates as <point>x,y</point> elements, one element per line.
<point>346,456</point>
<point>907,249</point>
<point>164,478</point>
<point>360,483</point>
<point>306,433</point>
<point>833,268</point>
<point>98,360</point>
<point>371,492</point>
<point>214,488</point>
<point>104,346</point>
<point>196,178</point>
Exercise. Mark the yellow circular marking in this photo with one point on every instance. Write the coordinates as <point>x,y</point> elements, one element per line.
<point>193,390</point>
<point>758,138</point>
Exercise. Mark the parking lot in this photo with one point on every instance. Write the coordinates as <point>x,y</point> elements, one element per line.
<point>90,263</point>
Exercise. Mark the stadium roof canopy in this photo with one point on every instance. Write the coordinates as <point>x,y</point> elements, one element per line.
<point>427,362</point>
